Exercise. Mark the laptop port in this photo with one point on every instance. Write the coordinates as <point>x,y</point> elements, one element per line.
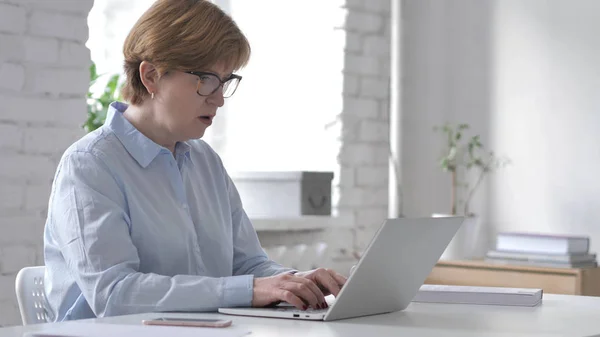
<point>296,315</point>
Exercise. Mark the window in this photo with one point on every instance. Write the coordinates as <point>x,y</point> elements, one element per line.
<point>109,22</point>
<point>291,89</point>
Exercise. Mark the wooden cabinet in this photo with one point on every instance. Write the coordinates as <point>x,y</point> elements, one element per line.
<point>551,280</point>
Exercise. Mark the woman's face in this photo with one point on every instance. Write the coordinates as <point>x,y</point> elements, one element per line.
<point>180,109</point>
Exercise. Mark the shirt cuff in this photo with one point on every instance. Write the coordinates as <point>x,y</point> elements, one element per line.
<point>279,271</point>
<point>238,291</point>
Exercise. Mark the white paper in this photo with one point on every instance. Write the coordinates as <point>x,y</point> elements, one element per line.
<point>473,289</point>
<point>80,329</point>
<point>479,295</point>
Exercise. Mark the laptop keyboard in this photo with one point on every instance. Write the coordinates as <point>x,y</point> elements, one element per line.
<point>284,306</point>
<point>296,310</point>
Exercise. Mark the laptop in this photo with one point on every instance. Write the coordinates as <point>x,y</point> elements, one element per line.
<point>388,276</point>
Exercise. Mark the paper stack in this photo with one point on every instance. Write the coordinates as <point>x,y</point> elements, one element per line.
<point>559,251</point>
<point>479,295</point>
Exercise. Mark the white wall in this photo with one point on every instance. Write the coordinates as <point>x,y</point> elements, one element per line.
<point>43,80</point>
<point>546,116</point>
<point>446,78</point>
<point>525,74</point>
<point>361,184</point>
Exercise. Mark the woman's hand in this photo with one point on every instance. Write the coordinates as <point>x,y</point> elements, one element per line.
<point>298,291</point>
<point>328,281</point>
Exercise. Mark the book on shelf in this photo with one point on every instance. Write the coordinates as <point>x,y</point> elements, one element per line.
<point>547,264</point>
<point>542,243</point>
<point>538,257</point>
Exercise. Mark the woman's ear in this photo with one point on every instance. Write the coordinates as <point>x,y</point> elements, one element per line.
<point>149,76</point>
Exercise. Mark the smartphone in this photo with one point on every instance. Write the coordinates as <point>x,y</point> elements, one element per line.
<point>195,322</point>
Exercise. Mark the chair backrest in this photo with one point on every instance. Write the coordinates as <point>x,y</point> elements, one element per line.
<point>31,296</point>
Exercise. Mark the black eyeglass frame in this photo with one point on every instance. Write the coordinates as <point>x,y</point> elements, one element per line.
<point>231,77</point>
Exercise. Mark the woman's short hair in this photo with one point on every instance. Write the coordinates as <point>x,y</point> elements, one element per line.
<point>181,35</point>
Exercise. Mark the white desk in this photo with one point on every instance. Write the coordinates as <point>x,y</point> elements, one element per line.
<point>558,315</point>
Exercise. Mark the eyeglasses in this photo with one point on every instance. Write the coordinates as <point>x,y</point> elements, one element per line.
<point>209,83</point>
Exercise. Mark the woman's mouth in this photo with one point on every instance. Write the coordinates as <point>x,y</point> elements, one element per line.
<point>206,120</point>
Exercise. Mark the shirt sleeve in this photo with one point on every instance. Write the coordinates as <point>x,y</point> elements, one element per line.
<point>248,255</point>
<point>90,224</point>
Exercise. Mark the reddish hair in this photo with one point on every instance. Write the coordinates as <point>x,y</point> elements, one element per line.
<point>181,35</point>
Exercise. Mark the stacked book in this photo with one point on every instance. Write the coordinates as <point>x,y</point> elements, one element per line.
<point>560,251</point>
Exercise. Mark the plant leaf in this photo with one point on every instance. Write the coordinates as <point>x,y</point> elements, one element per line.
<point>93,73</point>
<point>97,107</point>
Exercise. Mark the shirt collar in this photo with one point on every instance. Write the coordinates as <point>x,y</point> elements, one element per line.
<point>140,147</point>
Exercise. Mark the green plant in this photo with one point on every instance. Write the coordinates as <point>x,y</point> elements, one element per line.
<point>98,104</point>
<point>466,154</point>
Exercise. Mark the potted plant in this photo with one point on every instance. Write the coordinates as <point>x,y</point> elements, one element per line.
<point>467,162</point>
<point>98,103</point>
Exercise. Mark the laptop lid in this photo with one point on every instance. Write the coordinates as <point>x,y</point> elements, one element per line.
<point>394,266</point>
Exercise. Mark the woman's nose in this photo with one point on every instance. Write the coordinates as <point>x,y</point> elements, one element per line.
<point>217,97</point>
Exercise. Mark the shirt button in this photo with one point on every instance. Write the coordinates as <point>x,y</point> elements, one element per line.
<point>185,206</point>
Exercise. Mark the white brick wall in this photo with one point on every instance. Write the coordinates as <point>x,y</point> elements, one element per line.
<point>12,18</point>
<point>5,283</point>
<point>362,183</point>
<point>12,76</point>
<point>43,80</point>
<point>58,25</point>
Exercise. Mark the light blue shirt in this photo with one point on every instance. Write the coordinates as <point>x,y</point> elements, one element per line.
<point>133,228</point>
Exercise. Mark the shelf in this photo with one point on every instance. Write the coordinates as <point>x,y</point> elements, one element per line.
<point>304,223</point>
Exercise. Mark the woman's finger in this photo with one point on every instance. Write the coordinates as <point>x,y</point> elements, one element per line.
<point>328,282</point>
<point>291,298</point>
<point>340,279</point>
<point>303,292</point>
<point>315,289</point>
